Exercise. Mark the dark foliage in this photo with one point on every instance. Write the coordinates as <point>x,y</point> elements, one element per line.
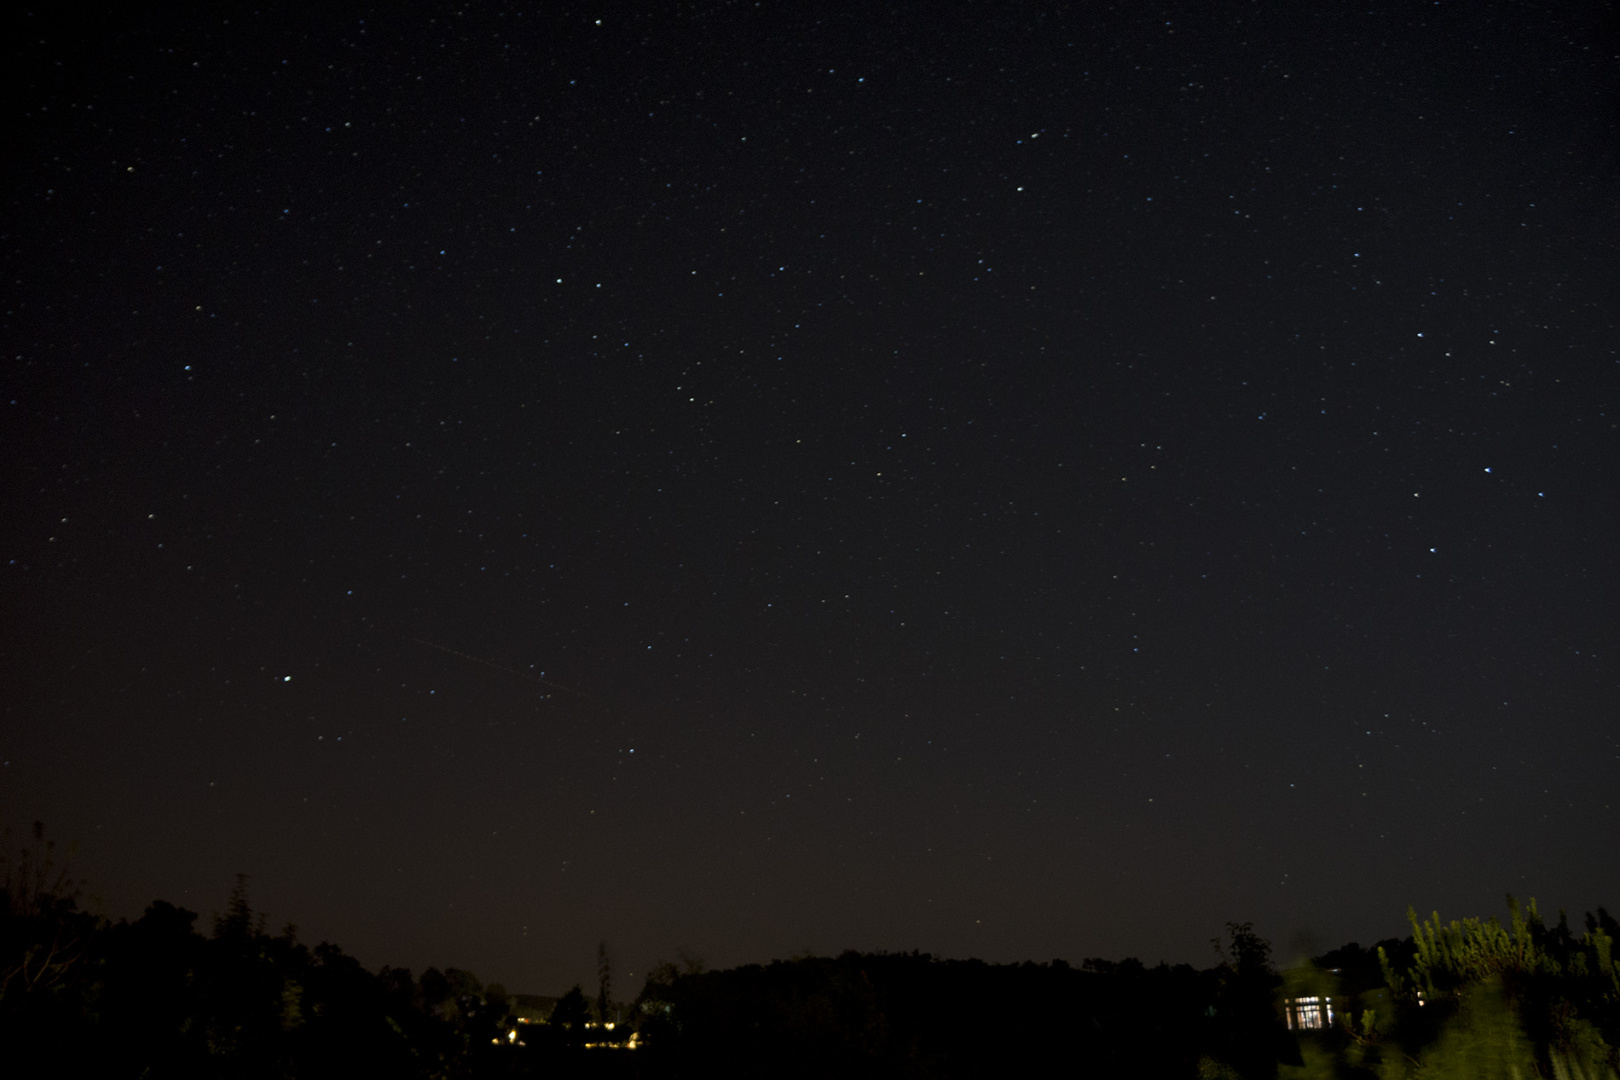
<point>156,998</point>
<point>910,1015</point>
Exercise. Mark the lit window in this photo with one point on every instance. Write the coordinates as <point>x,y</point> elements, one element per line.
<point>1310,1013</point>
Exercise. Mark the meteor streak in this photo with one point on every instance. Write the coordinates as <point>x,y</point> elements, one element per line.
<point>500,667</point>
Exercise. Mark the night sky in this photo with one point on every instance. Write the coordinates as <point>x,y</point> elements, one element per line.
<point>1005,480</point>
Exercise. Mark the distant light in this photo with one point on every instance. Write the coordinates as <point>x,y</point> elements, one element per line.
<point>286,678</point>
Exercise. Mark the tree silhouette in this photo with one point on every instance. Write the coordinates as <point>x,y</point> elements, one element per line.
<point>604,984</point>
<point>48,936</point>
<point>570,1015</point>
<point>1250,1037</point>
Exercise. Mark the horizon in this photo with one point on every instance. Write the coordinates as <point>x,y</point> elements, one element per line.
<point>1285,954</point>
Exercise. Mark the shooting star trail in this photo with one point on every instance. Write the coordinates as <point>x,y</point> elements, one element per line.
<point>500,667</point>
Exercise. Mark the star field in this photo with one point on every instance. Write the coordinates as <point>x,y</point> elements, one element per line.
<point>1003,482</point>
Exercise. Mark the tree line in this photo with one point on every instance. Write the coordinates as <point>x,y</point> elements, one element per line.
<point>159,997</point>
